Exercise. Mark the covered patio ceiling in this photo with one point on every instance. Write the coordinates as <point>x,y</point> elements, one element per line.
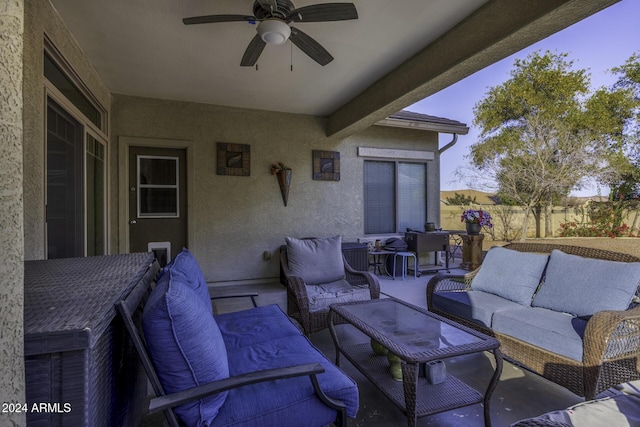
<point>395,53</point>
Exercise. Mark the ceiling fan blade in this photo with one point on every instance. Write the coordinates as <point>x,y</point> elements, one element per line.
<point>268,4</point>
<point>311,47</point>
<point>324,12</point>
<point>251,55</point>
<point>209,19</point>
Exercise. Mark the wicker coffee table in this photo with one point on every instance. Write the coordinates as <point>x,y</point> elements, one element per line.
<point>417,337</point>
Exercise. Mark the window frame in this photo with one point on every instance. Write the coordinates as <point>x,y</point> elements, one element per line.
<point>89,129</point>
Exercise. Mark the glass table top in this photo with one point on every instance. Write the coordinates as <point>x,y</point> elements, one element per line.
<point>412,328</point>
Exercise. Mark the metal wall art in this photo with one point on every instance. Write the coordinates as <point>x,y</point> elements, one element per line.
<point>233,159</point>
<point>326,165</point>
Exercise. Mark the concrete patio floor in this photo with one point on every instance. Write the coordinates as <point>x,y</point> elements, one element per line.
<point>519,394</point>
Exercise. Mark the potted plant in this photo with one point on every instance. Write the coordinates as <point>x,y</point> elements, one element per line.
<point>475,220</point>
<point>283,173</point>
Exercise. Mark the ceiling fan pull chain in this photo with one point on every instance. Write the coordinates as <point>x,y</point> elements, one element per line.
<point>291,47</point>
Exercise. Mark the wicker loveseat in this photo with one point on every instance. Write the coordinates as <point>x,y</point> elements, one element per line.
<point>584,351</point>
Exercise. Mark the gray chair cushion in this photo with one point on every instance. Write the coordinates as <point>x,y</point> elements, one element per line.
<point>476,306</point>
<point>322,296</point>
<point>510,274</point>
<point>316,260</point>
<point>585,286</point>
<point>557,332</point>
<point>621,410</point>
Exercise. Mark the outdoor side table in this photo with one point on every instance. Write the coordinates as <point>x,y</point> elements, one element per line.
<point>417,337</point>
<point>78,357</point>
<point>471,251</point>
<point>377,259</point>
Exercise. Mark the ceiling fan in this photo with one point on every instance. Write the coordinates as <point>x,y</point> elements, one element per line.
<point>275,17</point>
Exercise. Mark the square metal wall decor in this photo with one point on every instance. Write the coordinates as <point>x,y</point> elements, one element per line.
<point>233,159</point>
<point>326,165</point>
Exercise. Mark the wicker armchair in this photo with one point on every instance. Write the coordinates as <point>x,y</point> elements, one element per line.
<point>611,342</point>
<point>298,304</point>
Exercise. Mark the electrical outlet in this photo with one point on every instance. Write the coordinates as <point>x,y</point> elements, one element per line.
<point>266,255</point>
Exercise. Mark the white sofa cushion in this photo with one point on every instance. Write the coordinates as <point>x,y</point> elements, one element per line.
<point>510,274</point>
<point>554,331</point>
<point>585,286</point>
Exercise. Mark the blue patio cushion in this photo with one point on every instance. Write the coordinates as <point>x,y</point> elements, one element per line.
<point>185,266</point>
<point>316,260</point>
<point>323,295</point>
<point>287,402</point>
<point>185,345</point>
<point>551,330</point>
<point>585,286</point>
<point>255,326</point>
<point>476,306</point>
<point>513,275</point>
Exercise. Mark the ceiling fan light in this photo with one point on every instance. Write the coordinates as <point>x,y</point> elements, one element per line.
<point>274,31</point>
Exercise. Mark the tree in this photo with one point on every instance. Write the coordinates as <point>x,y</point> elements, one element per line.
<point>542,133</point>
<point>625,187</point>
<point>459,199</point>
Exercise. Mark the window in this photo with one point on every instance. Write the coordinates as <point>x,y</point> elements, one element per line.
<point>158,189</point>
<point>75,166</point>
<point>394,196</point>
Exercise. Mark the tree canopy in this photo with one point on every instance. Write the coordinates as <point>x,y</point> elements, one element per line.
<point>543,131</point>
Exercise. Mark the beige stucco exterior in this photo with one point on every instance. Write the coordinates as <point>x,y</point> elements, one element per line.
<point>11,210</point>
<point>236,219</point>
<point>233,220</point>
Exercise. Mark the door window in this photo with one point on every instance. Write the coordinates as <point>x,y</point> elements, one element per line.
<point>64,184</point>
<point>75,163</point>
<point>158,187</point>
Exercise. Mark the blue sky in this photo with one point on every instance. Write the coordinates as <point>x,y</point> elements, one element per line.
<point>598,43</point>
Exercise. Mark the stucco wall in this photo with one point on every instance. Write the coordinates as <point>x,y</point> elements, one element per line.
<point>236,219</point>
<point>40,20</point>
<point>11,211</point>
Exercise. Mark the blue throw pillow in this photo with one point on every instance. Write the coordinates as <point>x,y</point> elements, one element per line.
<point>185,345</point>
<point>186,267</point>
<point>510,274</point>
<point>584,286</point>
<point>316,261</point>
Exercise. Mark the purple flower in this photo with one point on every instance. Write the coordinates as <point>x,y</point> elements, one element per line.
<point>477,217</point>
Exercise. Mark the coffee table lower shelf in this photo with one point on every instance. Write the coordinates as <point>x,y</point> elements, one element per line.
<point>430,398</point>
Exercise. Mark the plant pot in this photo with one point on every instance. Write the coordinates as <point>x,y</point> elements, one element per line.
<point>284,181</point>
<point>473,228</point>
<point>395,365</point>
<point>378,348</point>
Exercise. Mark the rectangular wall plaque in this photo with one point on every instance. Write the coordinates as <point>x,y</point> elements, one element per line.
<point>326,165</point>
<point>233,159</point>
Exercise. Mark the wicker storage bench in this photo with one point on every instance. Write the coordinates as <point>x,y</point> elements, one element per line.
<point>536,314</point>
<point>79,361</point>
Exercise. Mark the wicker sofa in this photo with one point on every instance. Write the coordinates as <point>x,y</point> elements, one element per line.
<point>529,296</point>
